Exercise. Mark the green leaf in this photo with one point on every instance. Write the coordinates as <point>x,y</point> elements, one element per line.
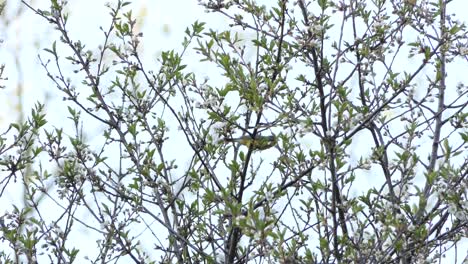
<point>464,136</point>
<point>132,129</point>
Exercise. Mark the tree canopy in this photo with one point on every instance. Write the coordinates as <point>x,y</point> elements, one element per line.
<point>305,132</point>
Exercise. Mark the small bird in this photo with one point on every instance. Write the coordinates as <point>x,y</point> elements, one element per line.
<point>259,143</point>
